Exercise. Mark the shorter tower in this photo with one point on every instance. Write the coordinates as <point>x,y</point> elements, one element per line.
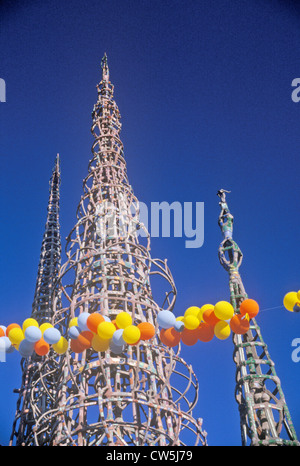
<point>264,415</point>
<point>38,373</point>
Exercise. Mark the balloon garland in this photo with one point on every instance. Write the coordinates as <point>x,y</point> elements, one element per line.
<point>98,332</point>
<point>202,324</point>
<point>291,301</point>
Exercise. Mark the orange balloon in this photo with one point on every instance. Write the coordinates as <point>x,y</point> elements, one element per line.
<point>10,327</point>
<point>239,325</point>
<point>209,317</point>
<point>189,337</point>
<point>147,330</point>
<point>2,333</point>
<point>169,337</point>
<point>41,347</point>
<point>205,332</point>
<point>76,347</point>
<point>85,339</point>
<point>94,320</point>
<point>250,307</point>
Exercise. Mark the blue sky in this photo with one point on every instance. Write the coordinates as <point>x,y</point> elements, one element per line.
<point>204,90</point>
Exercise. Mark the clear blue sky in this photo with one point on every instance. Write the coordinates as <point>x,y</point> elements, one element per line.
<point>204,90</point>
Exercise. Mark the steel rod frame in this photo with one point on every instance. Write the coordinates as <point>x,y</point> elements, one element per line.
<point>37,392</point>
<point>264,415</point>
<point>144,395</point>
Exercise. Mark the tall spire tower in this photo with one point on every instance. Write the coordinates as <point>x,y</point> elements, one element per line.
<point>142,394</point>
<point>38,373</point>
<point>264,415</point>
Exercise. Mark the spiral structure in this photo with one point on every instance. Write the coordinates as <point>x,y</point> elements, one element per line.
<point>142,394</point>
<point>264,415</point>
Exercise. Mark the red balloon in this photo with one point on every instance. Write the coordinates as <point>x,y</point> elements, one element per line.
<point>189,337</point>
<point>239,325</point>
<point>169,337</point>
<point>205,332</point>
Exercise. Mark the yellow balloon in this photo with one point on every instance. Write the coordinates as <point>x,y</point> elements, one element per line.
<point>224,310</point>
<point>106,330</point>
<point>44,326</point>
<point>191,322</point>
<point>192,311</point>
<point>222,330</point>
<point>29,323</point>
<point>131,334</point>
<point>61,346</point>
<point>16,335</point>
<point>123,320</point>
<point>99,345</point>
<point>180,318</point>
<point>290,300</point>
<point>73,322</point>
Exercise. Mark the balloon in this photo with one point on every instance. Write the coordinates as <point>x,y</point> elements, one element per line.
<point>123,320</point>
<point>191,322</point>
<point>179,326</point>
<point>51,335</point>
<point>7,344</point>
<point>166,319</point>
<point>74,332</point>
<point>85,339</point>
<point>93,321</point>
<point>61,346</point>
<point>10,327</point>
<point>289,300</point>
<point>16,335</point>
<point>118,337</point>
<point>26,348</point>
<point>99,345</point>
<point>41,347</point>
<point>82,319</point>
<point>296,308</point>
<point>222,330</point>
<point>147,330</point>
<point>169,337</point>
<point>29,323</point>
<point>250,307</point>
<point>131,334</point>
<point>223,310</point>
<point>192,311</point>
<point>298,296</point>
<point>2,332</point>
<point>204,308</point>
<point>33,334</point>
<point>76,347</point>
<point>210,317</point>
<point>115,348</point>
<point>3,328</point>
<point>180,318</point>
<point>189,337</point>
<point>73,321</point>
<point>239,324</point>
<point>106,318</point>
<point>115,324</point>
<point>205,332</point>
<point>106,330</point>
<point>44,326</point>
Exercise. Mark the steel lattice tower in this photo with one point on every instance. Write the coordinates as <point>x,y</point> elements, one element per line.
<point>39,373</point>
<point>264,414</point>
<point>146,394</point>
